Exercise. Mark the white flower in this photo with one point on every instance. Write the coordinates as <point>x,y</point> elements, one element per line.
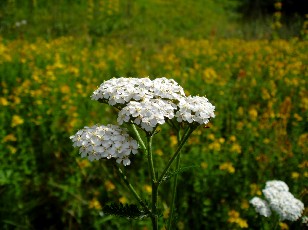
<point>261,206</point>
<point>195,109</point>
<point>284,204</point>
<point>149,103</point>
<point>277,185</point>
<point>281,201</point>
<point>167,89</point>
<point>109,141</point>
<point>147,113</point>
<point>120,91</point>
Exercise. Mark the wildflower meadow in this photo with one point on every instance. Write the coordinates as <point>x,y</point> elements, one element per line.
<point>112,128</point>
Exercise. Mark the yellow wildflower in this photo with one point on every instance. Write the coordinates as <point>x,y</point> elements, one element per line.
<point>65,89</point>
<point>123,200</point>
<point>211,136</point>
<point>3,101</point>
<point>283,226</point>
<point>295,175</point>
<point>215,146</point>
<point>265,94</point>
<point>159,152</point>
<point>266,140</point>
<point>16,120</point>
<point>9,137</point>
<point>109,186</point>
<point>233,138</point>
<point>234,217</point>
<point>227,166</point>
<point>83,163</point>
<point>278,5</point>
<point>16,100</point>
<point>221,140</point>
<point>302,140</point>
<point>240,111</point>
<point>12,149</point>
<point>204,165</point>
<point>209,75</point>
<point>173,141</point>
<point>94,204</point>
<point>239,125</point>
<point>304,164</point>
<point>180,225</point>
<point>166,211</point>
<point>244,204</point>
<point>298,117</point>
<point>253,113</point>
<point>255,190</point>
<point>236,148</point>
<point>148,188</point>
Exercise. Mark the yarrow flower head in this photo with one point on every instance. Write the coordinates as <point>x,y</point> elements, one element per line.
<point>147,113</point>
<point>280,200</point>
<point>195,109</point>
<point>119,91</point>
<point>149,103</point>
<point>277,185</point>
<point>109,141</point>
<point>261,206</point>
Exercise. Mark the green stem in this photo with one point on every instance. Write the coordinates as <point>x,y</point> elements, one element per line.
<point>174,184</point>
<point>187,133</point>
<point>150,157</point>
<point>154,216</point>
<point>276,222</point>
<point>139,138</point>
<point>133,191</point>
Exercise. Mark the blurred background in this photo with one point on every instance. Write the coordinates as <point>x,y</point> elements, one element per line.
<point>249,57</point>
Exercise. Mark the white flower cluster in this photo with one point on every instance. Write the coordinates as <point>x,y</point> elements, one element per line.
<point>148,103</point>
<point>195,109</point>
<point>261,206</point>
<point>147,113</point>
<point>279,200</point>
<point>123,90</point>
<point>109,141</point>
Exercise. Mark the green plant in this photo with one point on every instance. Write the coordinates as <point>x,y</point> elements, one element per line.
<point>147,104</point>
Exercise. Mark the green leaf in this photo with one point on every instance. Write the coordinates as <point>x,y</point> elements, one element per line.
<point>131,211</point>
<point>169,175</point>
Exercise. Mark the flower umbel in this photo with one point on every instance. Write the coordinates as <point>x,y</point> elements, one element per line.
<point>147,113</point>
<point>109,141</point>
<point>149,103</point>
<point>195,109</point>
<point>280,201</point>
<point>119,91</point>
<point>261,206</point>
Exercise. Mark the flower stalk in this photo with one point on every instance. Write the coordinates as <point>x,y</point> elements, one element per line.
<point>132,189</point>
<point>177,167</point>
<point>185,137</point>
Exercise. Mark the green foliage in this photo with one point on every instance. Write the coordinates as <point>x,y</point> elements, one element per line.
<point>125,211</point>
<point>181,170</point>
<point>128,20</point>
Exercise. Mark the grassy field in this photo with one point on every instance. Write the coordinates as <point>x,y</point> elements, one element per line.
<point>48,72</point>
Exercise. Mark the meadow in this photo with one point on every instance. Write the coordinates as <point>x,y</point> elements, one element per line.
<point>259,88</point>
